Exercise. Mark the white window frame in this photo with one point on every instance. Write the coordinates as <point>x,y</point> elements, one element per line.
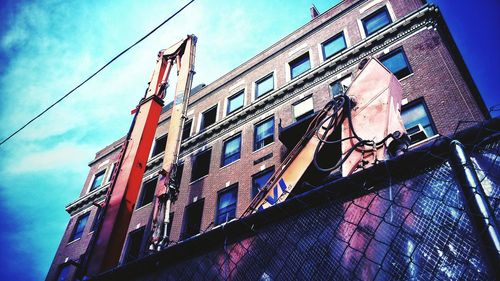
<point>200,116</point>
<point>301,101</point>
<point>370,11</point>
<point>288,68</point>
<point>254,85</point>
<point>347,45</point>
<point>226,101</point>
<point>93,177</point>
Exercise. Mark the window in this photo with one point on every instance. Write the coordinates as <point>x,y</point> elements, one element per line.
<point>178,173</point>
<point>97,182</point>
<point>263,133</point>
<point>169,226</point>
<point>376,21</point>
<point>303,108</point>
<point>226,204</point>
<point>397,63</point>
<point>201,165</point>
<point>340,86</point>
<point>147,192</point>
<point>231,150</point>
<point>186,130</point>
<point>417,121</point>
<point>97,217</point>
<point>300,65</point>
<point>194,213</point>
<point>235,102</point>
<point>259,180</point>
<point>134,244</point>
<point>63,272</point>
<point>113,168</point>
<point>160,144</point>
<point>79,227</point>
<point>208,118</point>
<point>334,45</point>
<point>264,86</point>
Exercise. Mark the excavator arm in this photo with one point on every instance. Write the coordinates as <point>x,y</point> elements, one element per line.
<point>368,115</point>
<point>107,242</point>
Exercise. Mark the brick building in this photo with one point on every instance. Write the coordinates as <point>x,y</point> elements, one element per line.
<point>241,126</point>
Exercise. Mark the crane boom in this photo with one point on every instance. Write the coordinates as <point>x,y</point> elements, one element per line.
<point>168,188</point>
<point>106,246</point>
<point>372,106</point>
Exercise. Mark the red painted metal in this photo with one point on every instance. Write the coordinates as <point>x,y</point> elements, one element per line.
<point>111,233</point>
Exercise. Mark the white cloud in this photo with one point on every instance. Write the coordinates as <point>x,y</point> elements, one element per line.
<point>63,157</point>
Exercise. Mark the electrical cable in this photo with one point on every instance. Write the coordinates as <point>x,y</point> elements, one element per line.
<point>95,73</point>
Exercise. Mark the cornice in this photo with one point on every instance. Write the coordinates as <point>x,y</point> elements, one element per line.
<point>405,27</point>
<point>87,200</point>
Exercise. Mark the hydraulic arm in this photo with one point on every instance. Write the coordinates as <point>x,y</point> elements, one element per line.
<point>368,115</point>
<point>168,189</point>
<point>106,246</point>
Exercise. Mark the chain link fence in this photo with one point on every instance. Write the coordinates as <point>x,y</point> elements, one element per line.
<point>401,220</point>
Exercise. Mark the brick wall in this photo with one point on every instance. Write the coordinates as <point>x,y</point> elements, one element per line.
<point>436,78</point>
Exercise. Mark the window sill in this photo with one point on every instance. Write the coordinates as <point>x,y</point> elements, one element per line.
<point>407,76</point>
<point>197,180</point>
<point>95,190</point>
<point>424,141</point>
<point>235,161</point>
<point>262,95</point>
<point>142,207</point>
<point>262,148</point>
<point>233,112</point>
<point>73,241</point>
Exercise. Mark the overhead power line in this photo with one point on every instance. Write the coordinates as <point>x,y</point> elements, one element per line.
<point>94,74</point>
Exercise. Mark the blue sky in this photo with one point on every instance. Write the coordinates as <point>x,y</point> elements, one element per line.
<point>47,47</point>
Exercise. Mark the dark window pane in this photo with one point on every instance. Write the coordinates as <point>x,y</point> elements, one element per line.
<point>63,273</point>
<point>147,193</point>
<point>97,216</point>
<point>169,226</point>
<point>231,150</point>
<point>186,130</point>
<point>79,227</point>
<point>226,205</point>
<point>193,213</point>
<point>376,21</point>
<point>178,173</point>
<point>397,63</point>
<point>235,102</point>
<point>160,144</point>
<point>417,122</point>
<point>300,65</point>
<point>264,133</point>
<point>201,165</point>
<point>208,118</point>
<point>259,180</point>
<point>98,178</point>
<point>333,46</point>
<point>264,86</point>
<point>134,245</point>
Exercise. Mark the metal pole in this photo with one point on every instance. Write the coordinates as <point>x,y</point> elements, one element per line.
<point>475,200</point>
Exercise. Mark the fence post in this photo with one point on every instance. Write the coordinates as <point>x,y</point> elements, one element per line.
<point>477,205</point>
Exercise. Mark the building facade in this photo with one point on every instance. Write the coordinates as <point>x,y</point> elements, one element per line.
<point>235,133</point>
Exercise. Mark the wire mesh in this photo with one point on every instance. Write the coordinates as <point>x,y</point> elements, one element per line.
<point>412,226</point>
<point>413,229</point>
